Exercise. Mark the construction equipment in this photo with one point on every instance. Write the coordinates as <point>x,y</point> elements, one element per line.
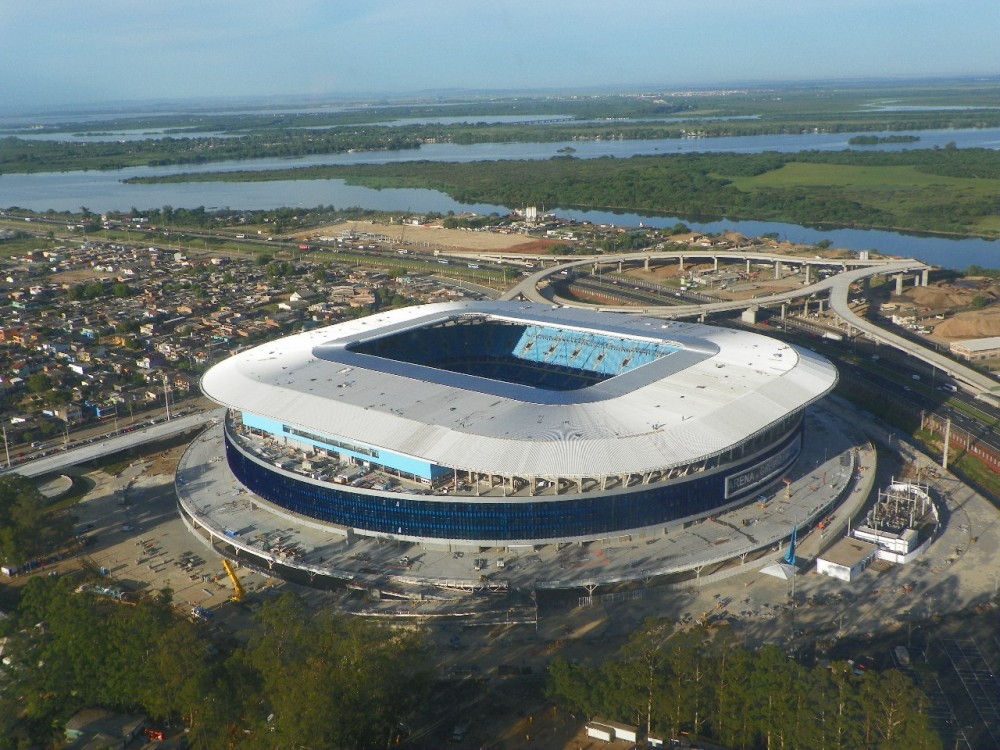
<point>238,591</point>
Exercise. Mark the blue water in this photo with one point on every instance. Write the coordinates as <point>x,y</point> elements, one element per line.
<point>104,190</point>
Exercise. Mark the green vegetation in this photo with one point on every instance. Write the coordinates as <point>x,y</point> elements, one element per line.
<point>670,681</point>
<point>27,529</point>
<point>219,137</point>
<point>972,469</point>
<point>992,273</point>
<point>304,679</point>
<point>946,190</point>
<point>21,155</point>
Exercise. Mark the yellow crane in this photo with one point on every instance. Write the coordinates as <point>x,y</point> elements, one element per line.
<point>238,590</point>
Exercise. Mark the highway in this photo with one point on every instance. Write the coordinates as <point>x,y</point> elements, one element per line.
<point>839,291</point>
<point>837,287</point>
<point>99,447</point>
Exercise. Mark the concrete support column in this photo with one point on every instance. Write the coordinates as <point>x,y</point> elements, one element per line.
<point>594,271</point>
<point>777,269</point>
<point>748,266</point>
<point>924,276</point>
<point>947,444</point>
<point>808,273</point>
<point>805,308</point>
<point>619,266</point>
<point>899,283</point>
<point>715,263</point>
<point>784,310</point>
<point>645,264</point>
<point>681,259</point>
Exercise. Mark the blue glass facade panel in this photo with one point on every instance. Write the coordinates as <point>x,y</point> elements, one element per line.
<point>512,519</point>
<point>380,456</point>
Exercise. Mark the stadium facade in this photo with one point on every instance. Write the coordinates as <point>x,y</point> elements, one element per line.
<point>508,423</point>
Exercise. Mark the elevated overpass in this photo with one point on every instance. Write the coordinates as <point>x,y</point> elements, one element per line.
<point>80,454</point>
<point>836,288</point>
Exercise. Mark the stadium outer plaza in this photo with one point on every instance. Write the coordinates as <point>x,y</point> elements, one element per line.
<point>436,451</point>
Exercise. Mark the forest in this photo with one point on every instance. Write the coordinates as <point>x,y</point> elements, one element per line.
<point>946,190</point>
<point>676,683</point>
<point>204,137</point>
<point>304,679</point>
<point>324,680</point>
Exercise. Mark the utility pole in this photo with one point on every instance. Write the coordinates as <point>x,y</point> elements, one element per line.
<point>6,447</point>
<point>166,395</point>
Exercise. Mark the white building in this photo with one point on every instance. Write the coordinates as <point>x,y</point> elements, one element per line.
<point>846,559</point>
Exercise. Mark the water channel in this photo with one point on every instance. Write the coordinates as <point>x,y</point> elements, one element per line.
<point>105,190</point>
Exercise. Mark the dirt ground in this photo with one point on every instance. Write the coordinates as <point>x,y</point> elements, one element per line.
<point>78,276</point>
<point>437,236</point>
<point>955,301</point>
<point>165,462</point>
<point>969,325</point>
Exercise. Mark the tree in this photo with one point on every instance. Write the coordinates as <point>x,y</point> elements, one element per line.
<point>734,721</point>
<point>329,680</point>
<point>899,712</point>
<point>178,660</point>
<point>39,383</point>
<point>25,530</point>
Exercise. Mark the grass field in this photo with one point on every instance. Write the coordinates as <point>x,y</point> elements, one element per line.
<point>896,189</point>
<point>806,175</point>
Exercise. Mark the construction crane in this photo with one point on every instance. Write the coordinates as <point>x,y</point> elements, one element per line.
<point>238,590</point>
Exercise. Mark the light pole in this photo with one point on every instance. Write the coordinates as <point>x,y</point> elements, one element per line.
<point>166,396</point>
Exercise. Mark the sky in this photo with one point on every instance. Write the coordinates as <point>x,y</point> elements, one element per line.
<point>60,54</point>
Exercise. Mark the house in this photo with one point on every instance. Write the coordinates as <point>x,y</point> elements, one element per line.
<point>97,728</point>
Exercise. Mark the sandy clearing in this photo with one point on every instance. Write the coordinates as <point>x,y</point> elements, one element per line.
<point>969,325</point>
<point>434,236</point>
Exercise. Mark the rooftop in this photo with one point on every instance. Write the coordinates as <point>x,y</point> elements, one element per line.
<point>645,394</point>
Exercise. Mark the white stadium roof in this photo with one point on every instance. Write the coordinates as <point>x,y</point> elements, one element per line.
<point>720,388</point>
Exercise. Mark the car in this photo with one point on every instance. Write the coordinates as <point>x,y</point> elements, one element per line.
<point>127,527</point>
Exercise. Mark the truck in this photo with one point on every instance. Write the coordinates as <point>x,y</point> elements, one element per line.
<point>600,731</point>
<point>239,593</point>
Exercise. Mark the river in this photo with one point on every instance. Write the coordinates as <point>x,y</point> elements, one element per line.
<point>102,191</point>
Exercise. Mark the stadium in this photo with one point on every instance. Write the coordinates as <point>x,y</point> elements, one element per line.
<point>507,424</point>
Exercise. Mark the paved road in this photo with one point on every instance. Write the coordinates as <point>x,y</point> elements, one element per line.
<point>837,286</point>
<point>839,291</point>
<point>108,446</point>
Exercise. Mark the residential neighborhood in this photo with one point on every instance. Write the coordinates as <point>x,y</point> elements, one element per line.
<point>102,332</point>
